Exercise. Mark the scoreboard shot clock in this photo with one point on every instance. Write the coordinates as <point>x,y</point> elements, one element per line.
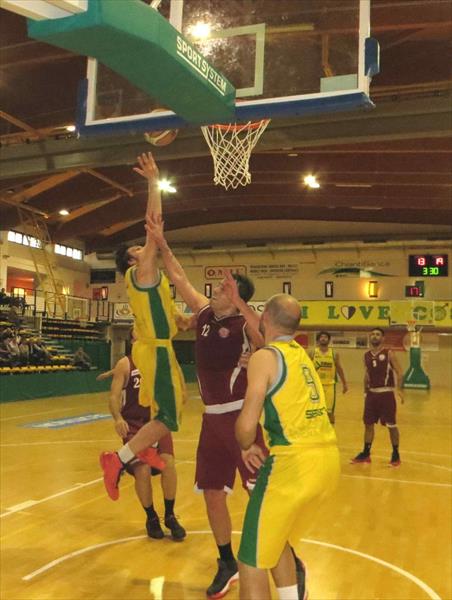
<point>428,265</point>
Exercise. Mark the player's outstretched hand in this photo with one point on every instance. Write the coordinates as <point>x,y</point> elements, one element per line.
<point>400,396</point>
<point>105,375</point>
<point>147,167</point>
<point>253,458</point>
<point>154,228</point>
<point>230,287</point>
<point>344,388</point>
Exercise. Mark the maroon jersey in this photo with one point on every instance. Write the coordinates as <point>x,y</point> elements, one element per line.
<point>379,369</point>
<point>219,344</point>
<point>132,411</point>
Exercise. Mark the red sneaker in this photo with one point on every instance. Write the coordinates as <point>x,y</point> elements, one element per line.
<point>151,457</point>
<point>112,468</point>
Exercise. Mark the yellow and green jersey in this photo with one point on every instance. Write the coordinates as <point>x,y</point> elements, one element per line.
<point>294,407</point>
<point>162,383</point>
<point>325,366</point>
<point>153,308</point>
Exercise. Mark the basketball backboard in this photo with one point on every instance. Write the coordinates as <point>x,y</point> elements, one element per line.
<point>412,313</point>
<point>284,57</point>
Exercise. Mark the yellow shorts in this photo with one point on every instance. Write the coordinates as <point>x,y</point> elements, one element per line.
<point>288,481</point>
<point>162,383</point>
<point>330,396</point>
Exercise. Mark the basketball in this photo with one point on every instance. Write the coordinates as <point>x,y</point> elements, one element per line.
<point>160,138</point>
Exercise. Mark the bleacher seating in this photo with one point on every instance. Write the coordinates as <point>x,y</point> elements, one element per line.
<point>71,329</point>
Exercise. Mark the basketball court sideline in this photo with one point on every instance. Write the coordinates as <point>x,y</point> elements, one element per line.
<point>62,537</point>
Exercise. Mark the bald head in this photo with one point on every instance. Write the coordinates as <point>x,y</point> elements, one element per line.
<point>284,313</point>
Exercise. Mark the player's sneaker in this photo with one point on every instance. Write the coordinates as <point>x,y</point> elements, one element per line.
<point>302,575</point>
<point>362,457</point>
<point>177,531</point>
<point>151,457</point>
<point>154,528</point>
<point>395,460</point>
<point>227,574</point>
<point>112,468</point>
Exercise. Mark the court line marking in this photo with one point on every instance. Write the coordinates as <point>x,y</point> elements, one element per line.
<point>418,582</point>
<point>408,462</point>
<point>18,507</point>
<point>446,485</point>
<point>427,589</point>
<point>177,440</point>
<point>109,441</point>
<point>415,462</point>
<point>29,503</point>
<point>45,412</point>
<point>80,442</point>
<point>403,451</point>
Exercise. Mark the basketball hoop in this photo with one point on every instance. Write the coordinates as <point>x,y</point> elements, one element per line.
<point>231,146</point>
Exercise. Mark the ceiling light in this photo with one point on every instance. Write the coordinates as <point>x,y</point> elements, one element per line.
<point>63,212</point>
<point>292,154</point>
<point>200,30</point>
<point>311,181</point>
<point>70,128</point>
<point>165,186</point>
<point>353,185</point>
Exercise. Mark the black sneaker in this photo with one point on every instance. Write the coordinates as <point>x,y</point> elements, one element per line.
<point>177,531</point>
<point>395,460</point>
<point>227,574</point>
<point>362,457</point>
<point>301,578</point>
<point>154,529</point>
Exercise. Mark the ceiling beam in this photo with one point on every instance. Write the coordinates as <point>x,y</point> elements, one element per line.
<point>398,120</point>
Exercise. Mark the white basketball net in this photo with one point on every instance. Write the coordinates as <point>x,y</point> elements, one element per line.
<point>231,147</point>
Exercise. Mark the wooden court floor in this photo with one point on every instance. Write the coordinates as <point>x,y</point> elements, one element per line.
<point>386,533</point>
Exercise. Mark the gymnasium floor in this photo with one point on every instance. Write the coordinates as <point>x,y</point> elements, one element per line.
<point>386,533</point>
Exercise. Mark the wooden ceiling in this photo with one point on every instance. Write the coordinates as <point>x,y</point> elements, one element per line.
<point>388,166</point>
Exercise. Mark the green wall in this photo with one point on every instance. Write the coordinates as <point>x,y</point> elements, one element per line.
<point>44,385</point>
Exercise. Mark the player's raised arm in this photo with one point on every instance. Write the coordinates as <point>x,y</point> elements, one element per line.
<point>146,257</point>
<point>251,317</point>
<point>147,168</point>
<point>194,299</point>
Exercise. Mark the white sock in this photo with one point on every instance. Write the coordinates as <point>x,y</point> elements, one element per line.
<point>288,593</point>
<point>126,454</point>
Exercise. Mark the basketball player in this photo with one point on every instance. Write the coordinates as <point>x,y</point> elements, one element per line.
<point>129,416</point>
<point>382,375</point>
<point>303,465</point>
<point>328,365</point>
<point>226,327</point>
<point>162,383</point>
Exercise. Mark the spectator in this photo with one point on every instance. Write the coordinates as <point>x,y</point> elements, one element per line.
<point>82,360</point>
<point>23,342</point>
<point>12,347</point>
<point>39,355</point>
<point>4,298</point>
<point>13,316</point>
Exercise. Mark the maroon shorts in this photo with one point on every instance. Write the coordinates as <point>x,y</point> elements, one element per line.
<point>219,455</point>
<point>380,407</point>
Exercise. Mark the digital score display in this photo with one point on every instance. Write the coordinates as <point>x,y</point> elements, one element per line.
<point>428,265</point>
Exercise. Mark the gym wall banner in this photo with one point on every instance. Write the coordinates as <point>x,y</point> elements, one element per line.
<point>321,313</point>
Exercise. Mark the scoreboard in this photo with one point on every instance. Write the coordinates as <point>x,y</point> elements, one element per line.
<point>428,265</point>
